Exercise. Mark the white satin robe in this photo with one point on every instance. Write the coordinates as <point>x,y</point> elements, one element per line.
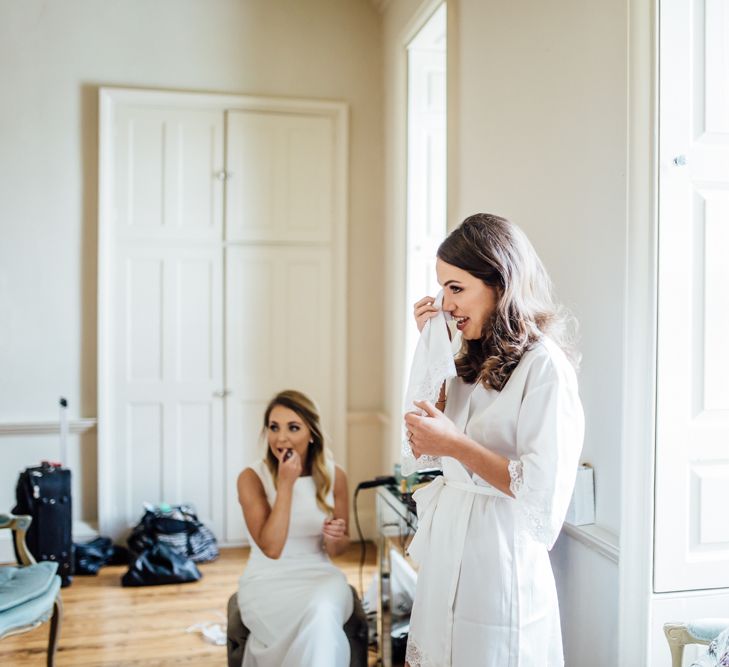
<point>486,595</point>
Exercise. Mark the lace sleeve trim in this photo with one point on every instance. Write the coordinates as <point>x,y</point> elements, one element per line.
<point>533,504</point>
<point>415,656</point>
<point>516,473</point>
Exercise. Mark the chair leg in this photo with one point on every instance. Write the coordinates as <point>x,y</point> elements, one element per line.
<point>676,655</point>
<point>677,636</point>
<point>55,631</point>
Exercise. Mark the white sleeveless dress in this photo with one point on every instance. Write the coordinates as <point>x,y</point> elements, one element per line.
<point>295,606</point>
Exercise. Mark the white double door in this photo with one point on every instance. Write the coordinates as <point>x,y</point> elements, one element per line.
<point>692,430</point>
<point>220,284</point>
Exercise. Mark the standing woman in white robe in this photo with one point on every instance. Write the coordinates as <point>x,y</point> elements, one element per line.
<point>509,442</point>
<point>292,598</point>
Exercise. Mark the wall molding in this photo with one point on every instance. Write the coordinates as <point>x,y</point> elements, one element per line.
<point>75,426</point>
<point>86,424</point>
<point>596,539</point>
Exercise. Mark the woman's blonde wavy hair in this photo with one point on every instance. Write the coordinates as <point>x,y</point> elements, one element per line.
<point>316,456</point>
<point>498,253</point>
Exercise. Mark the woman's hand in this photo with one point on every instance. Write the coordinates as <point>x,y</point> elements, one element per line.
<point>289,467</point>
<point>423,310</point>
<point>433,433</point>
<point>334,529</point>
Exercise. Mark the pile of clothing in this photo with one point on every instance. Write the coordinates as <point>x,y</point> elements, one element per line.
<point>167,543</point>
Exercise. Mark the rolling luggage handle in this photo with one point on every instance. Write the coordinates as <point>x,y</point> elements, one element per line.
<point>63,427</point>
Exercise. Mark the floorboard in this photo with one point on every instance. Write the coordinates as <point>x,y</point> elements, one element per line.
<point>106,625</point>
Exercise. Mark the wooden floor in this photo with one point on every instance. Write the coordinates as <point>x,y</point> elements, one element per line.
<point>105,624</point>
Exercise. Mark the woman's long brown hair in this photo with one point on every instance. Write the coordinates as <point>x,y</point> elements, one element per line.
<point>315,462</point>
<point>498,253</point>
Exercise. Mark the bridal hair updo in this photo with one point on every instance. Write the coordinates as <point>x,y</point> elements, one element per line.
<point>316,456</point>
<point>498,253</point>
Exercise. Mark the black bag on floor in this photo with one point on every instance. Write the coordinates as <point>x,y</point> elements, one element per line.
<point>44,492</point>
<point>159,564</point>
<point>179,528</point>
<point>90,557</point>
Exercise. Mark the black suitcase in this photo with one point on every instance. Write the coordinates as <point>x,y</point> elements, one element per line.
<point>44,492</point>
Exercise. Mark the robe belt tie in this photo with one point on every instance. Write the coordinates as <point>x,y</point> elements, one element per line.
<point>427,500</point>
<point>475,488</point>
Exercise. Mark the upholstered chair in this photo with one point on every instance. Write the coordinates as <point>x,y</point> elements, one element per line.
<point>698,631</point>
<point>29,594</point>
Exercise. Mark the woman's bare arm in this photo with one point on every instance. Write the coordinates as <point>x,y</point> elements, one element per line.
<point>336,530</point>
<point>268,526</point>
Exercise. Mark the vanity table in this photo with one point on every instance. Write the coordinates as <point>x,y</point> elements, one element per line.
<point>396,524</point>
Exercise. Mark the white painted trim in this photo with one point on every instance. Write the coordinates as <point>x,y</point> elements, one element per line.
<point>639,343</point>
<point>339,276</point>
<point>266,244</point>
<point>396,223</point>
<point>691,594</point>
<point>218,101</point>
<point>453,189</point>
<point>75,426</point>
<point>105,332</point>
<point>596,539</point>
<point>419,19</point>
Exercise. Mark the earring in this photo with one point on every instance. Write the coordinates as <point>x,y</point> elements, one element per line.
<point>311,442</point>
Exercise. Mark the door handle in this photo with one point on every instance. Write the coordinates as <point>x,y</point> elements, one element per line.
<point>222,393</point>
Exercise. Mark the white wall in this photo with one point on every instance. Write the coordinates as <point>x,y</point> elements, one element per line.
<point>540,98</point>
<point>586,580</point>
<point>537,98</point>
<point>54,54</point>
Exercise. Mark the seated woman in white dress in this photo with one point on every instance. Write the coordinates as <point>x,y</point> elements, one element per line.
<point>296,507</point>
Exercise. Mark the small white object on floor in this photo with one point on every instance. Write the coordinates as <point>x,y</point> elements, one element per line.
<point>213,633</point>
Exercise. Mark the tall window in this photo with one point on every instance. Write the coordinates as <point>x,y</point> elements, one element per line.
<point>426,160</point>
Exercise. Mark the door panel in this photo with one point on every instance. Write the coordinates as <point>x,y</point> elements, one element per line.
<point>167,165</point>
<point>278,333</point>
<point>167,417</point>
<point>281,177</point>
<point>692,450</point>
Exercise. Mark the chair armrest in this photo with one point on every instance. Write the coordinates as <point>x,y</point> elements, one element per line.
<point>698,631</point>
<point>19,525</point>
